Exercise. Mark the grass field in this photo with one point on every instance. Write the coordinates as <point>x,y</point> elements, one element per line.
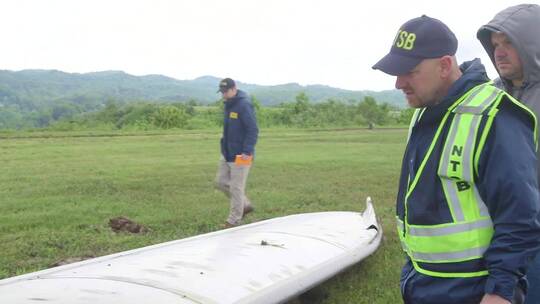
<point>58,191</point>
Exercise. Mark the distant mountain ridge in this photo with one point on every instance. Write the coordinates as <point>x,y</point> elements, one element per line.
<point>31,89</point>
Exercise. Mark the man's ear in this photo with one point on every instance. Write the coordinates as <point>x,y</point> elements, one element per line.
<point>445,65</point>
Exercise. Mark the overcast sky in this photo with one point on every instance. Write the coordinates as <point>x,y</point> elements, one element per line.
<point>329,42</point>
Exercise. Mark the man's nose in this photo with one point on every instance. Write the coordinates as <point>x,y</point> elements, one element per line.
<point>500,52</point>
<point>399,82</point>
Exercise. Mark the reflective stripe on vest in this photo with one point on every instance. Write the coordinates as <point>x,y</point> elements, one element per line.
<point>414,119</point>
<point>468,236</point>
<point>456,166</point>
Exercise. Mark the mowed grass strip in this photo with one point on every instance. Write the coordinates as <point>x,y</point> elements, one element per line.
<point>58,193</point>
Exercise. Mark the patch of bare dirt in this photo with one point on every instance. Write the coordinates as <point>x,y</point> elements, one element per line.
<point>123,224</point>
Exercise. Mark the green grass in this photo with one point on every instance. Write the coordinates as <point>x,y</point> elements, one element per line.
<point>57,193</point>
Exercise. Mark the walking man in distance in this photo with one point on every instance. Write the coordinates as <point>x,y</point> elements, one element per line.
<point>240,134</point>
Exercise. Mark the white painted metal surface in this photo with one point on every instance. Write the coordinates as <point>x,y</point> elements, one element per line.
<point>264,262</point>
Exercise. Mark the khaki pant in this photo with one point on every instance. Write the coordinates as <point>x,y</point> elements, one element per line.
<point>231,179</point>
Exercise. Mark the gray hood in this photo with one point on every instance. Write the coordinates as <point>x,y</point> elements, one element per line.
<point>521,24</point>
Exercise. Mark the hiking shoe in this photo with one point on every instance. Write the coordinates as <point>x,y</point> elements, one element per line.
<point>248,209</point>
<point>228,225</point>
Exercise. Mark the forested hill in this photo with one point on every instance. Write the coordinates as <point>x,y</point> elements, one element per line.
<point>31,90</point>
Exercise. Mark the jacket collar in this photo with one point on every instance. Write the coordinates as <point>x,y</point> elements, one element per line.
<point>239,95</point>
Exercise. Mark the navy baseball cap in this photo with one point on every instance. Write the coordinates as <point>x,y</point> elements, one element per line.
<point>225,85</point>
<point>418,39</point>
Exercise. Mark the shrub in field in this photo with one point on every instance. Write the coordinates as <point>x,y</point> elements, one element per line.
<point>168,117</point>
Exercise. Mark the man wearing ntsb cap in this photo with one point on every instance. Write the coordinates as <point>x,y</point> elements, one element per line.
<point>466,204</point>
<point>240,134</point>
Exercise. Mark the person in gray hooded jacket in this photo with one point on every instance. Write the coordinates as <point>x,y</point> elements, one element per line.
<point>512,41</point>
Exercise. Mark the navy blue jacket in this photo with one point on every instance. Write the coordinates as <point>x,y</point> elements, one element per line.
<point>507,182</point>
<point>240,129</point>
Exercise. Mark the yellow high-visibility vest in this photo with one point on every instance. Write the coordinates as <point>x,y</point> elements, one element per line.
<point>469,235</point>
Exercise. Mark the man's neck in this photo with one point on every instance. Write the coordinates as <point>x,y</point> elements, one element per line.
<point>445,88</point>
<point>517,83</point>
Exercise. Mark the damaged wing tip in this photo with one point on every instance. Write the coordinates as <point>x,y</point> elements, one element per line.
<point>369,211</point>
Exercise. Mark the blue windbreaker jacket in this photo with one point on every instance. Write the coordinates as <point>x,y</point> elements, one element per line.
<point>507,182</point>
<point>240,129</point>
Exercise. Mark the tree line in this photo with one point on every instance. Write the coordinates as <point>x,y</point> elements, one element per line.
<point>115,115</point>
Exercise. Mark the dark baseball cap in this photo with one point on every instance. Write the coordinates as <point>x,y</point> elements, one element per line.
<point>418,39</point>
<point>226,84</point>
